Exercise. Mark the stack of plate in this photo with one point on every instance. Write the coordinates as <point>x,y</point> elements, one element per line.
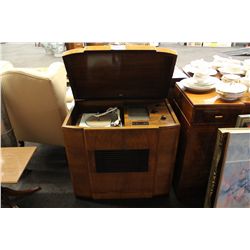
<point>189,68</point>
<point>193,85</point>
<point>246,65</point>
<point>232,69</point>
<point>231,92</point>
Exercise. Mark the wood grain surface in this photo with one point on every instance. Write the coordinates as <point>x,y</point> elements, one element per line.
<point>200,116</point>
<point>13,162</point>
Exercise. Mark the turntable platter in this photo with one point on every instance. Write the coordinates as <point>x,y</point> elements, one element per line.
<point>110,118</point>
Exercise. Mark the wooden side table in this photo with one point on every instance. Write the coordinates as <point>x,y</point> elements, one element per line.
<point>13,162</point>
<point>200,116</point>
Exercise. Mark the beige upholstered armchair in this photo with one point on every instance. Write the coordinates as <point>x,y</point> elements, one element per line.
<point>5,65</point>
<point>35,100</point>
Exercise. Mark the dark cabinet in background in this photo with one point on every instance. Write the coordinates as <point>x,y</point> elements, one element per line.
<point>200,116</point>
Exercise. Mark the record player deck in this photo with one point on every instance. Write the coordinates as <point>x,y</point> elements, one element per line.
<point>155,114</point>
<point>110,118</point>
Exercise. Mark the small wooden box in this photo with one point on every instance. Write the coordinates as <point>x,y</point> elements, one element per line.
<point>136,159</point>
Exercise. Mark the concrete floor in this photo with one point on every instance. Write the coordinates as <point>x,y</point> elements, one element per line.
<point>49,164</point>
<point>28,55</point>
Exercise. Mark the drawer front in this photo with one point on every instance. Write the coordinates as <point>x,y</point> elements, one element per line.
<point>216,116</point>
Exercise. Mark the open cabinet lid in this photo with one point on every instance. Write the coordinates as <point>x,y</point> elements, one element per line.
<point>120,72</point>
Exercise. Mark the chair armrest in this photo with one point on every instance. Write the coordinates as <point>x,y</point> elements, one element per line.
<point>5,65</point>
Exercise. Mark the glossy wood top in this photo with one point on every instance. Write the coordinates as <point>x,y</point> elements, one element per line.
<point>211,98</point>
<point>13,162</point>
<point>119,47</point>
<point>120,72</point>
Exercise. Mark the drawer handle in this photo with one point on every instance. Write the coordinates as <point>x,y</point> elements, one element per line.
<point>218,116</point>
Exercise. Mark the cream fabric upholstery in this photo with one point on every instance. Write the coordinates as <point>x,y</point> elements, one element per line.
<point>5,65</point>
<point>36,102</point>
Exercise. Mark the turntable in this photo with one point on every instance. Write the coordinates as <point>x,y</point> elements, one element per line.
<point>110,118</point>
<point>121,137</point>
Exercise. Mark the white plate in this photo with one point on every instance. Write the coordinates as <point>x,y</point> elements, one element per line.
<point>229,97</point>
<point>189,68</point>
<point>200,63</point>
<point>224,71</point>
<point>234,89</point>
<point>215,65</point>
<point>229,94</point>
<point>190,85</point>
<point>208,82</point>
<point>199,90</point>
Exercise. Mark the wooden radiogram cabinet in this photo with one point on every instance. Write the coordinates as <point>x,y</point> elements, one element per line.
<point>137,158</point>
<point>200,116</point>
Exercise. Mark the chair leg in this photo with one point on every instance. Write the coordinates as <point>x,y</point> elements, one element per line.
<point>19,193</point>
<point>5,200</point>
<point>21,143</point>
<point>7,193</point>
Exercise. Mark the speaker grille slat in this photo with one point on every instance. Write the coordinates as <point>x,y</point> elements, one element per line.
<point>112,161</point>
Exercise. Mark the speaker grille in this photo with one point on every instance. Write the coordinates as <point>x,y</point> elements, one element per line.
<point>112,161</point>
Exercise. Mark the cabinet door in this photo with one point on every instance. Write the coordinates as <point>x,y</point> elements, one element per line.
<point>121,161</point>
<point>197,155</point>
<point>194,160</point>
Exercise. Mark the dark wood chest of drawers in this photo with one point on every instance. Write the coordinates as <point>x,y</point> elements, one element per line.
<point>200,116</point>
